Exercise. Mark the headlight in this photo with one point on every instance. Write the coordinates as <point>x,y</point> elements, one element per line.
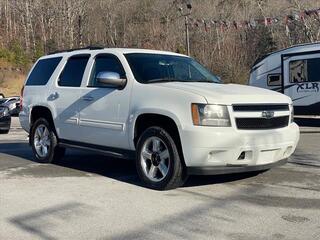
<point>4,111</point>
<point>210,115</point>
<point>291,113</point>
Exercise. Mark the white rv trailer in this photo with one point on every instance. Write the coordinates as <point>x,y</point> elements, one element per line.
<point>294,71</point>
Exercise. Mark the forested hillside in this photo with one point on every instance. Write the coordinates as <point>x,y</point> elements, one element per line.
<point>225,35</point>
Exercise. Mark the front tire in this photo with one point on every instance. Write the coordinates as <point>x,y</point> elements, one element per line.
<point>44,142</point>
<point>158,161</point>
<point>4,131</point>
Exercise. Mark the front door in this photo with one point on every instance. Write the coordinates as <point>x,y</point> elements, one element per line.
<point>301,75</point>
<point>104,111</point>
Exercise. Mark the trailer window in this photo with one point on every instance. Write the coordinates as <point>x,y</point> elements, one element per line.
<point>307,70</point>
<point>274,80</point>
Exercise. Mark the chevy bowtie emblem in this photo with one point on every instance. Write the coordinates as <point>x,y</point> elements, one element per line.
<point>267,114</point>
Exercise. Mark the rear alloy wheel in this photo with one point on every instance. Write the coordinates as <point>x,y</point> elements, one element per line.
<point>41,141</point>
<point>44,142</point>
<point>158,161</point>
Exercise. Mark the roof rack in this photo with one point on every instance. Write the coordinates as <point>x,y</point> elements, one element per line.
<point>76,49</point>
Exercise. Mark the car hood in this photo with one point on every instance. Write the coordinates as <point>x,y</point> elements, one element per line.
<point>229,93</point>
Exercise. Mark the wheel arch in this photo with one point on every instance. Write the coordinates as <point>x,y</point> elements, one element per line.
<point>40,111</point>
<point>167,121</point>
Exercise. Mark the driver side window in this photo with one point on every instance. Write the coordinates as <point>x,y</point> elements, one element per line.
<point>105,63</point>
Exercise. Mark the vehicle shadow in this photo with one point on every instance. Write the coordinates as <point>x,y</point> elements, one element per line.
<point>194,181</point>
<point>117,169</point>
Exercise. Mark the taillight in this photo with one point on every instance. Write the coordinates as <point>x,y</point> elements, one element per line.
<point>21,99</point>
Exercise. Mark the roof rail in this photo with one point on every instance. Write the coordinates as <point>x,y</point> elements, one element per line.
<point>76,49</point>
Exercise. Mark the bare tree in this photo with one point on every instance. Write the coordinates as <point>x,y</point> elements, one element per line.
<point>226,49</point>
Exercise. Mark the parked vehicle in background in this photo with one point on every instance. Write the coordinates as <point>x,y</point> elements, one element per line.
<point>5,120</point>
<point>1,95</point>
<point>294,71</point>
<point>163,109</point>
<point>13,103</point>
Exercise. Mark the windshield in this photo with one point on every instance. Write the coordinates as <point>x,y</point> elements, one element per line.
<point>150,68</point>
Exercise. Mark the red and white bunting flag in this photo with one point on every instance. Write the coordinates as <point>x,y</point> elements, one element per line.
<point>267,21</point>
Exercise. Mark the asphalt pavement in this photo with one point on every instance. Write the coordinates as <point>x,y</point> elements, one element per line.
<point>88,196</point>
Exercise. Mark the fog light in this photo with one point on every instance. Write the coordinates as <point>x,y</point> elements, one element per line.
<point>288,151</point>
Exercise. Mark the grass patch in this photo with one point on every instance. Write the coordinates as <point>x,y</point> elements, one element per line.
<point>11,82</point>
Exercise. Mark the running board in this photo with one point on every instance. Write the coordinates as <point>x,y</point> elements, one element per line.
<point>107,151</point>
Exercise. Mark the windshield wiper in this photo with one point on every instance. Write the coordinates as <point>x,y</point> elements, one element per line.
<point>162,80</point>
<point>205,81</point>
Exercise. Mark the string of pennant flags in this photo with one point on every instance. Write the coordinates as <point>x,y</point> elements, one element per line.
<point>206,24</point>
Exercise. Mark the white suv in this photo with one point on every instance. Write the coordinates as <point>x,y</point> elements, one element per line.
<point>163,109</point>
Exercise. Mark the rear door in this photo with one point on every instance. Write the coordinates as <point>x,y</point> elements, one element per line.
<point>65,97</point>
<point>301,74</point>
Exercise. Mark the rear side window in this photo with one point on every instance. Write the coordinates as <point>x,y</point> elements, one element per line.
<point>73,72</point>
<point>42,72</point>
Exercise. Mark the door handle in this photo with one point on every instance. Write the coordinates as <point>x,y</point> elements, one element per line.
<point>87,98</point>
<point>54,96</point>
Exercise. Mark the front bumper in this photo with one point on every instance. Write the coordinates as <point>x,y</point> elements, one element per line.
<point>220,149</point>
<point>24,121</point>
<point>232,169</point>
<point>5,123</point>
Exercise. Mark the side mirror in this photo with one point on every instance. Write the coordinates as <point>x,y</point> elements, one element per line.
<point>111,79</point>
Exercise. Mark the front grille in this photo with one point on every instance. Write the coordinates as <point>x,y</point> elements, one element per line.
<point>262,123</point>
<point>260,107</point>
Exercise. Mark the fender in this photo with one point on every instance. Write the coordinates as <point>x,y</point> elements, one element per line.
<point>133,118</point>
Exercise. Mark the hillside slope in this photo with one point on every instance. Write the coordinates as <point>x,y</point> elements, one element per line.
<point>11,79</point>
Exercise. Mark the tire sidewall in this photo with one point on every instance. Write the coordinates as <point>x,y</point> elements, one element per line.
<point>173,153</point>
<point>50,157</point>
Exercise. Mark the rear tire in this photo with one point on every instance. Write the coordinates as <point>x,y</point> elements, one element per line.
<point>4,131</point>
<point>44,142</point>
<point>158,161</point>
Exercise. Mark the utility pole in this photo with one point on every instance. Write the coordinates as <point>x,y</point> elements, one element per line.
<point>187,35</point>
<point>80,31</point>
<point>186,15</point>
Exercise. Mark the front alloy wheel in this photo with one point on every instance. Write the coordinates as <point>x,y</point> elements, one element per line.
<point>155,159</point>
<point>158,161</point>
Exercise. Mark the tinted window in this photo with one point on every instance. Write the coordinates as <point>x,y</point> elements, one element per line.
<point>274,80</point>
<point>105,63</point>
<point>73,71</point>
<point>314,70</point>
<point>149,68</point>
<point>42,72</point>
<point>305,70</point>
